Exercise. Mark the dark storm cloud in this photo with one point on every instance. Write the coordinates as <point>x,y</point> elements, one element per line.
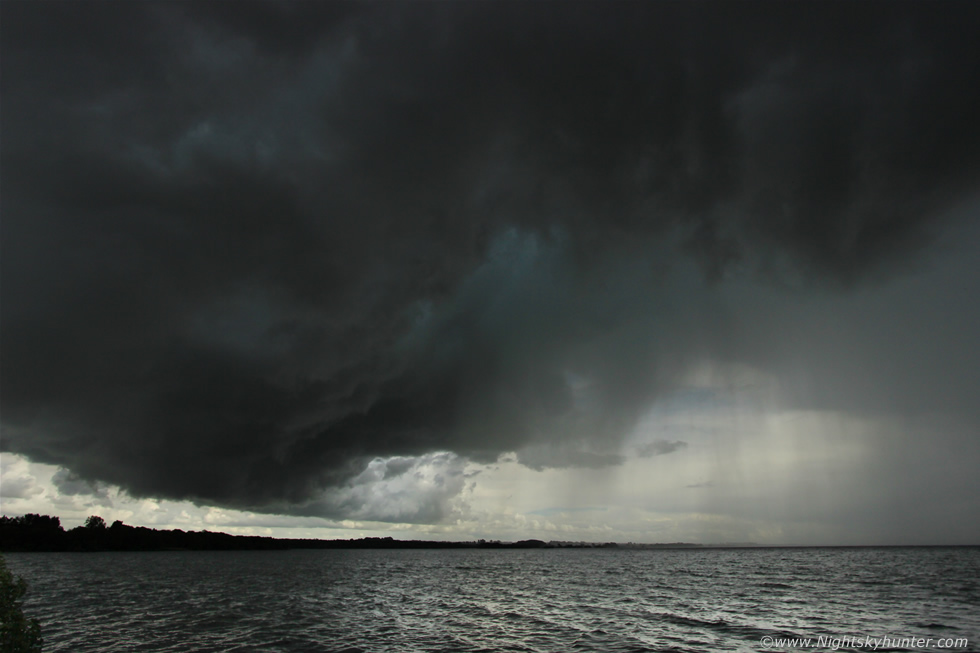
<point>659,448</point>
<point>249,248</point>
<point>70,484</point>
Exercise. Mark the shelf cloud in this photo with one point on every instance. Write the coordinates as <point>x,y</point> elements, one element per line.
<point>305,258</point>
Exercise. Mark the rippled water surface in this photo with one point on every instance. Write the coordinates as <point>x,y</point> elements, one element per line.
<point>497,600</point>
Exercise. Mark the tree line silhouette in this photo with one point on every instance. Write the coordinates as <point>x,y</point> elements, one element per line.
<point>44,533</point>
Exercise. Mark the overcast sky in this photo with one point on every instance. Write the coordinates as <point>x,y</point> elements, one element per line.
<point>579,271</point>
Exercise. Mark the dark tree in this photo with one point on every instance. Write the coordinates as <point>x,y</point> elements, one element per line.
<point>18,634</point>
<point>95,522</point>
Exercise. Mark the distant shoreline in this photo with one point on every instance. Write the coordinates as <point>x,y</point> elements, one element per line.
<point>42,533</point>
<point>45,533</point>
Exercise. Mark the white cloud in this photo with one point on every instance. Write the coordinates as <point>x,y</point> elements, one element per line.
<point>16,482</point>
<point>422,489</point>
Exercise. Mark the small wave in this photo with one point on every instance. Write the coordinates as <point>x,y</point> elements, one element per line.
<point>725,627</point>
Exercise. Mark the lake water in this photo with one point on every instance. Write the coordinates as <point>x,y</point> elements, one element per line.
<point>504,600</point>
